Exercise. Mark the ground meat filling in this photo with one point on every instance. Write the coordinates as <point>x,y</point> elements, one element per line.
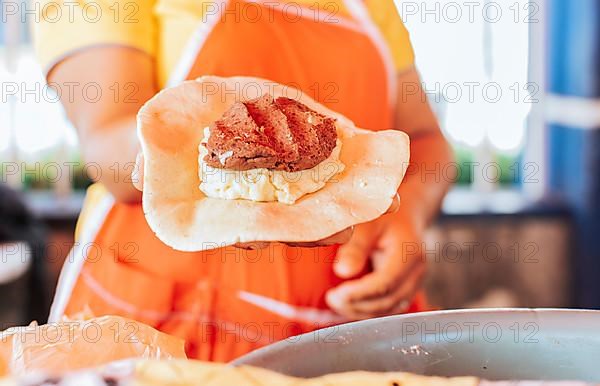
<point>276,134</point>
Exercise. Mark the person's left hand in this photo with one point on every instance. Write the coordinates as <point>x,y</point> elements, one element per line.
<point>393,247</point>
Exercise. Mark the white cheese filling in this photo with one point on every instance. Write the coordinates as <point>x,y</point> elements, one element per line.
<point>264,184</point>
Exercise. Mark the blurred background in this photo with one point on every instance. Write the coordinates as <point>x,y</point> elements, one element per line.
<point>513,84</point>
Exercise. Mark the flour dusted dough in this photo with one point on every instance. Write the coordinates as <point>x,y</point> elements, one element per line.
<point>170,127</point>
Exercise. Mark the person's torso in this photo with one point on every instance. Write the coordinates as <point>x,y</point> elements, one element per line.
<point>329,53</point>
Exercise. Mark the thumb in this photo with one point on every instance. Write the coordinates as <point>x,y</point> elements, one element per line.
<point>352,257</point>
<point>137,175</point>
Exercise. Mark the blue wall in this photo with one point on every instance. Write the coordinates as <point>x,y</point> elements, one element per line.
<point>574,152</point>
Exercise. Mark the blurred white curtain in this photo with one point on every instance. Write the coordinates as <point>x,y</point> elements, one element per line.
<point>473,58</point>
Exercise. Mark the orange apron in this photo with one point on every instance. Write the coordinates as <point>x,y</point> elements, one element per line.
<point>227,302</point>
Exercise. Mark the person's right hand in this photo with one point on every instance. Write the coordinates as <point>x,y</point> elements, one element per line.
<point>342,237</point>
<point>137,175</point>
<point>106,126</point>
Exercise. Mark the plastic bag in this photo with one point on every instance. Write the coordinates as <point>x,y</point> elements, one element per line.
<point>71,345</point>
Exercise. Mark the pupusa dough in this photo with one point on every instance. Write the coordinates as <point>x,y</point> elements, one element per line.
<point>170,127</point>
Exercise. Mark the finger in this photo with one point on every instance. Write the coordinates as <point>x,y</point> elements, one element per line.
<point>376,284</point>
<point>338,238</point>
<point>352,257</point>
<point>252,245</point>
<point>341,298</point>
<point>137,175</point>
<point>395,205</point>
<point>396,301</point>
<point>402,307</point>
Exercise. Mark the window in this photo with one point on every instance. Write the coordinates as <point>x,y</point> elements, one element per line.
<point>473,57</point>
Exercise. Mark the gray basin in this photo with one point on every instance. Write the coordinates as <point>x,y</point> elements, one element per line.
<point>496,344</point>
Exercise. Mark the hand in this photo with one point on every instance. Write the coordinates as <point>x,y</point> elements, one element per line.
<point>137,177</point>
<point>392,246</point>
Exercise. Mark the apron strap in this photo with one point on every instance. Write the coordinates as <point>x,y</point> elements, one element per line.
<point>195,43</point>
<point>76,258</point>
<point>362,23</point>
<point>360,12</point>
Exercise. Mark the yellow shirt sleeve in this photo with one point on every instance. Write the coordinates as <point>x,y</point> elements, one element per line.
<point>385,14</point>
<point>64,27</point>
